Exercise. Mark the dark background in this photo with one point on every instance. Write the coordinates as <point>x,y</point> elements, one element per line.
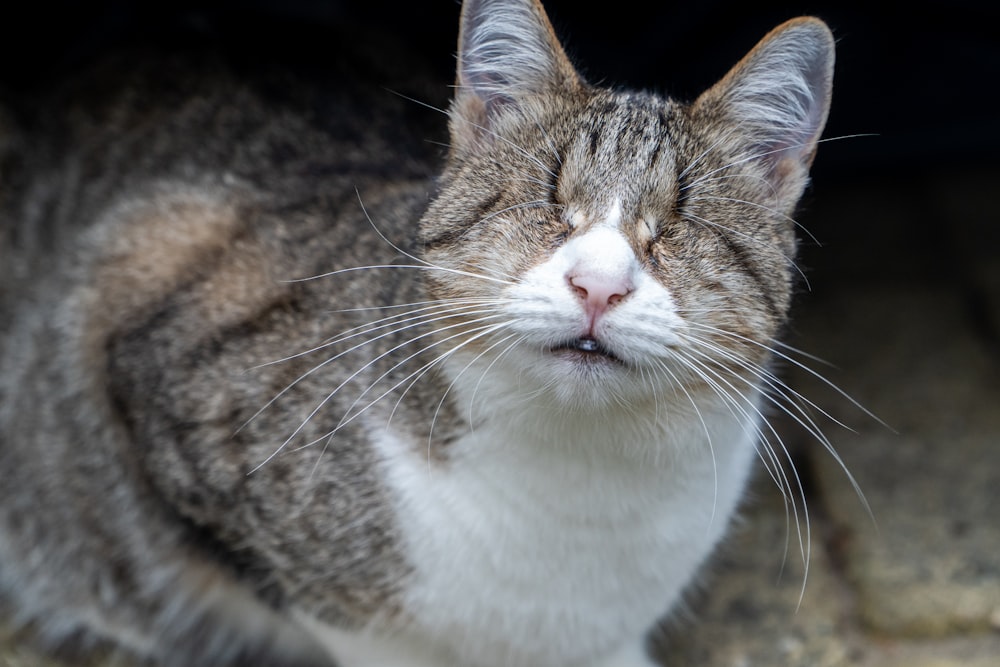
<point>923,78</point>
<point>920,78</point>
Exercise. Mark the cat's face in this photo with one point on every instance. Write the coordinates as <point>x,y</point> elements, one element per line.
<point>615,251</point>
<point>607,246</point>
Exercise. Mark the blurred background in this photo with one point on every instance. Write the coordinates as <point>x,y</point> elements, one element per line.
<point>902,299</point>
<point>923,78</point>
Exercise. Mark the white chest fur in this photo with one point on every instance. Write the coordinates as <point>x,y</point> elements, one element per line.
<point>548,554</point>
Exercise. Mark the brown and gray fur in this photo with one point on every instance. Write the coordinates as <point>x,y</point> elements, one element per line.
<point>157,223</point>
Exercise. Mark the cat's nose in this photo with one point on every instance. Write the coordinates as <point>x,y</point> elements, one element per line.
<point>599,292</point>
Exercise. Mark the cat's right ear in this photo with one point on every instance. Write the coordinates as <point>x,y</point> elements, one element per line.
<point>507,52</point>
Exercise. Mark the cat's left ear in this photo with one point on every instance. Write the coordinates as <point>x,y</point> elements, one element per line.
<point>779,96</point>
<point>507,52</point>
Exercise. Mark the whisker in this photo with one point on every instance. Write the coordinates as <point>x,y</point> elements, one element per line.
<point>793,397</point>
<point>757,156</point>
<point>436,307</point>
<point>410,323</point>
<point>422,267</point>
<point>770,210</point>
<point>362,309</point>
<point>694,162</point>
<point>533,180</point>
<point>804,539</point>
<point>729,230</point>
<point>708,435</point>
<point>800,365</point>
<point>348,417</point>
<point>475,391</point>
<point>401,363</point>
<point>765,376</point>
<point>538,203</point>
<point>344,383</point>
<point>521,150</point>
<point>732,406</point>
<point>447,390</point>
<point>549,142</point>
<point>416,375</point>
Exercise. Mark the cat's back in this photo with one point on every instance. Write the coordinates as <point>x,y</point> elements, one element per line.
<point>156,213</point>
<point>139,168</point>
<point>283,129</point>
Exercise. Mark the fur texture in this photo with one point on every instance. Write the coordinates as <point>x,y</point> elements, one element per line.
<point>272,393</point>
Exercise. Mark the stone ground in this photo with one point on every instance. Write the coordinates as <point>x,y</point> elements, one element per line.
<point>912,326</point>
<point>909,576</point>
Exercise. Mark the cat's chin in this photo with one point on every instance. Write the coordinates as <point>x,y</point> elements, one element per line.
<point>585,350</point>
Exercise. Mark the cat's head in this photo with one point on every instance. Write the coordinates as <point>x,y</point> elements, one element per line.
<point>604,245</point>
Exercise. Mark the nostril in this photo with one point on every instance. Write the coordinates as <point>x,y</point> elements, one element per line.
<point>601,290</point>
<point>580,290</point>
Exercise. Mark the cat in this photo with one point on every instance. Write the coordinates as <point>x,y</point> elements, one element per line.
<point>274,393</point>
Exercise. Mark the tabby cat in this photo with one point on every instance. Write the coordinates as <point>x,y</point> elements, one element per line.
<point>274,393</point>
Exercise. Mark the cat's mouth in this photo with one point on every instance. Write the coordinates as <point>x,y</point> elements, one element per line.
<point>586,347</point>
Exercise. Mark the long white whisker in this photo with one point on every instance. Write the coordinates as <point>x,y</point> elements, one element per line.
<point>694,162</point>
<point>708,435</point>
<point>416,375</point>
<point>504,277</point>
<point>421,267</point>
<point>790,404</point>
<point>734,407</point>
<point>757,156</point>
<point>409,323</point>
<point>767,377</point>
<point>402,362</point>
<point>447,390</point>
<point>800,365</point>
<point>475,391</point>
<point>736,200</point>
<point>435,307</point>
<point>805,540</point>
<point>794,400</point>
<point>537,203</point>
<point>729,230</point>
<point>342,384</point>
<point>487,130</point>
<point>422,304</point>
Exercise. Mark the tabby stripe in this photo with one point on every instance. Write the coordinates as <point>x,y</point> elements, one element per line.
<point>740,254</point>
<point>456,232</point>
<point>655,153</point>
<point>662,137</point>
<point>595,138</point>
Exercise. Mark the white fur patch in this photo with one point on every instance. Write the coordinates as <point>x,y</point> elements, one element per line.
<point>614,216</point>
<point>531,552</point>
<point>545,312</point>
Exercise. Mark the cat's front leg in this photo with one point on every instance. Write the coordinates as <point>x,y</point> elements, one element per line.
<point>633,654</point>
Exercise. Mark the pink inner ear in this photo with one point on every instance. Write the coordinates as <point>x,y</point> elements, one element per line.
<point>780,93</point>
<point>508,49</point>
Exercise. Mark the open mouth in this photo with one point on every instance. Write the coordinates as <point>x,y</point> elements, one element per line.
<point>587,347</point>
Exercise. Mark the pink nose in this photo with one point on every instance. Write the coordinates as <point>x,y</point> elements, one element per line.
<point>599,292</point>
